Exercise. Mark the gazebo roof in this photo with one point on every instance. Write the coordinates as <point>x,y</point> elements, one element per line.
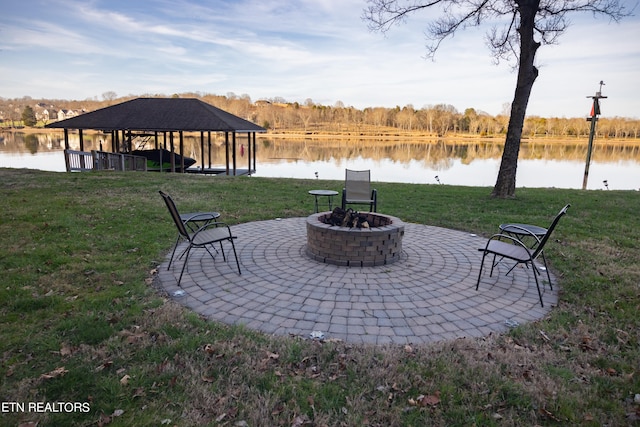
<point>160,114</point>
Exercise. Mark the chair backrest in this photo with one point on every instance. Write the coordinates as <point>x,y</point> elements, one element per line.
<point>358,184</point>
<point>540,246</point>
<point>175,214</point>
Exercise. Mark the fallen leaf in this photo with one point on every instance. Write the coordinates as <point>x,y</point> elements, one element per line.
<point>430,400</point>
<point>549,415</point>
<point>300,421</point>
<point>58,372</point>
<point>104,420</point>
<point>125,380</point>
<point>277,410</point>
<point>544,336</point>
<point>132,339</point>
<point>66,350</point>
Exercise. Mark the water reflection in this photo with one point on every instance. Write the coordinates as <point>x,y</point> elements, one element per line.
<point>542,163</point>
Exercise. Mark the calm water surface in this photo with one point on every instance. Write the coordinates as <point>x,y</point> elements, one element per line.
<point>541,164</point>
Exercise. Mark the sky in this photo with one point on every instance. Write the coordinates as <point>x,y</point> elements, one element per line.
<point>298,50</point>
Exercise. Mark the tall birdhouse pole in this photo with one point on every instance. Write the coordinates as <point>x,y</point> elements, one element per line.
<point>595,112</point>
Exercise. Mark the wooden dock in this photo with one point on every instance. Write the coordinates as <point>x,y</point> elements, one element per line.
<point>220,171</point>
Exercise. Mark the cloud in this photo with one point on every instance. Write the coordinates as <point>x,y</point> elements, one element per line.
<point>304,49</point>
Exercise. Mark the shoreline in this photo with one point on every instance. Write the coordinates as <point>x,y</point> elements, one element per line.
<point>378,136</point>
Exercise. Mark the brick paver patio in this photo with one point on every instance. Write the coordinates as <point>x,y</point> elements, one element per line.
<point>428,295</point>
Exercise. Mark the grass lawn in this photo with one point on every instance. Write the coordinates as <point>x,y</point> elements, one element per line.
<point>85,331</point>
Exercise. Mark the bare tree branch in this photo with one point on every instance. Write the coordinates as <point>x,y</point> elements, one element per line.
<point>551,19</point>
<point>381,15</point>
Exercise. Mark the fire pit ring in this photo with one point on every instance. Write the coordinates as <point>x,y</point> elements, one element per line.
<point>355,247</point>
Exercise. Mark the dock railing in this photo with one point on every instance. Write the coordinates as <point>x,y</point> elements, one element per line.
<point>80,161</point>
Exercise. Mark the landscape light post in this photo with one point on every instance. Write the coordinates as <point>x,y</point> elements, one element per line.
<point>595,112</point>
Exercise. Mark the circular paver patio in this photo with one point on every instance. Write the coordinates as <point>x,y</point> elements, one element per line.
<point>428,295</point>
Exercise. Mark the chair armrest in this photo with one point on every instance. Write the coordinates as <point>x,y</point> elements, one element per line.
<point>214,225</point>
<point>500,237</point>
<point>525,232</point>
<point>194,217</point>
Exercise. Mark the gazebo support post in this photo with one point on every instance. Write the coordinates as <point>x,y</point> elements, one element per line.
<point>249,151</point>
<point>202,150</point>
<point>82,165</point>
<point>254,152</point>
<point>226,150</point>
<point>181,151</point>
<point>173,154</point>
<point>233,152</point>
<point>81,140</point>
<point>209,147</point>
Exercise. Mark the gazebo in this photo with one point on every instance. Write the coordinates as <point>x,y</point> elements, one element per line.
<point>152,117</point>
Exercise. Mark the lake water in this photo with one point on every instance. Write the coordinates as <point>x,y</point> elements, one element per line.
<point>541,164</point>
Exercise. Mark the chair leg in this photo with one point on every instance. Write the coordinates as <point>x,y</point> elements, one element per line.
<point>480,273</point>
<point>175,246</point>
<point>493,264</point>
<point>235,255</point>
<point>535,276</point>
<point>547,270</point>
<point>224,257</point>
<point>186,260</point>
<point>210,253</point>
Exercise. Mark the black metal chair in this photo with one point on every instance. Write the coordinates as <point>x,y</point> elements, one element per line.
<point>511,247</point>
<point>203,237</point>
<point>357,190</point>
<point>192,221</point>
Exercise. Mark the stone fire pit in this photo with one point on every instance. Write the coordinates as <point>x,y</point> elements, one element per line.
<point>355,247</point>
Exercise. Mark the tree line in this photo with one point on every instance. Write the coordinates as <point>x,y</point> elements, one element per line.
<point>278,115</point>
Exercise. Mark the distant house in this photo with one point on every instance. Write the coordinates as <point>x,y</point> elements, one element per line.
<point>67,114</point>
<point>42,115</point>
